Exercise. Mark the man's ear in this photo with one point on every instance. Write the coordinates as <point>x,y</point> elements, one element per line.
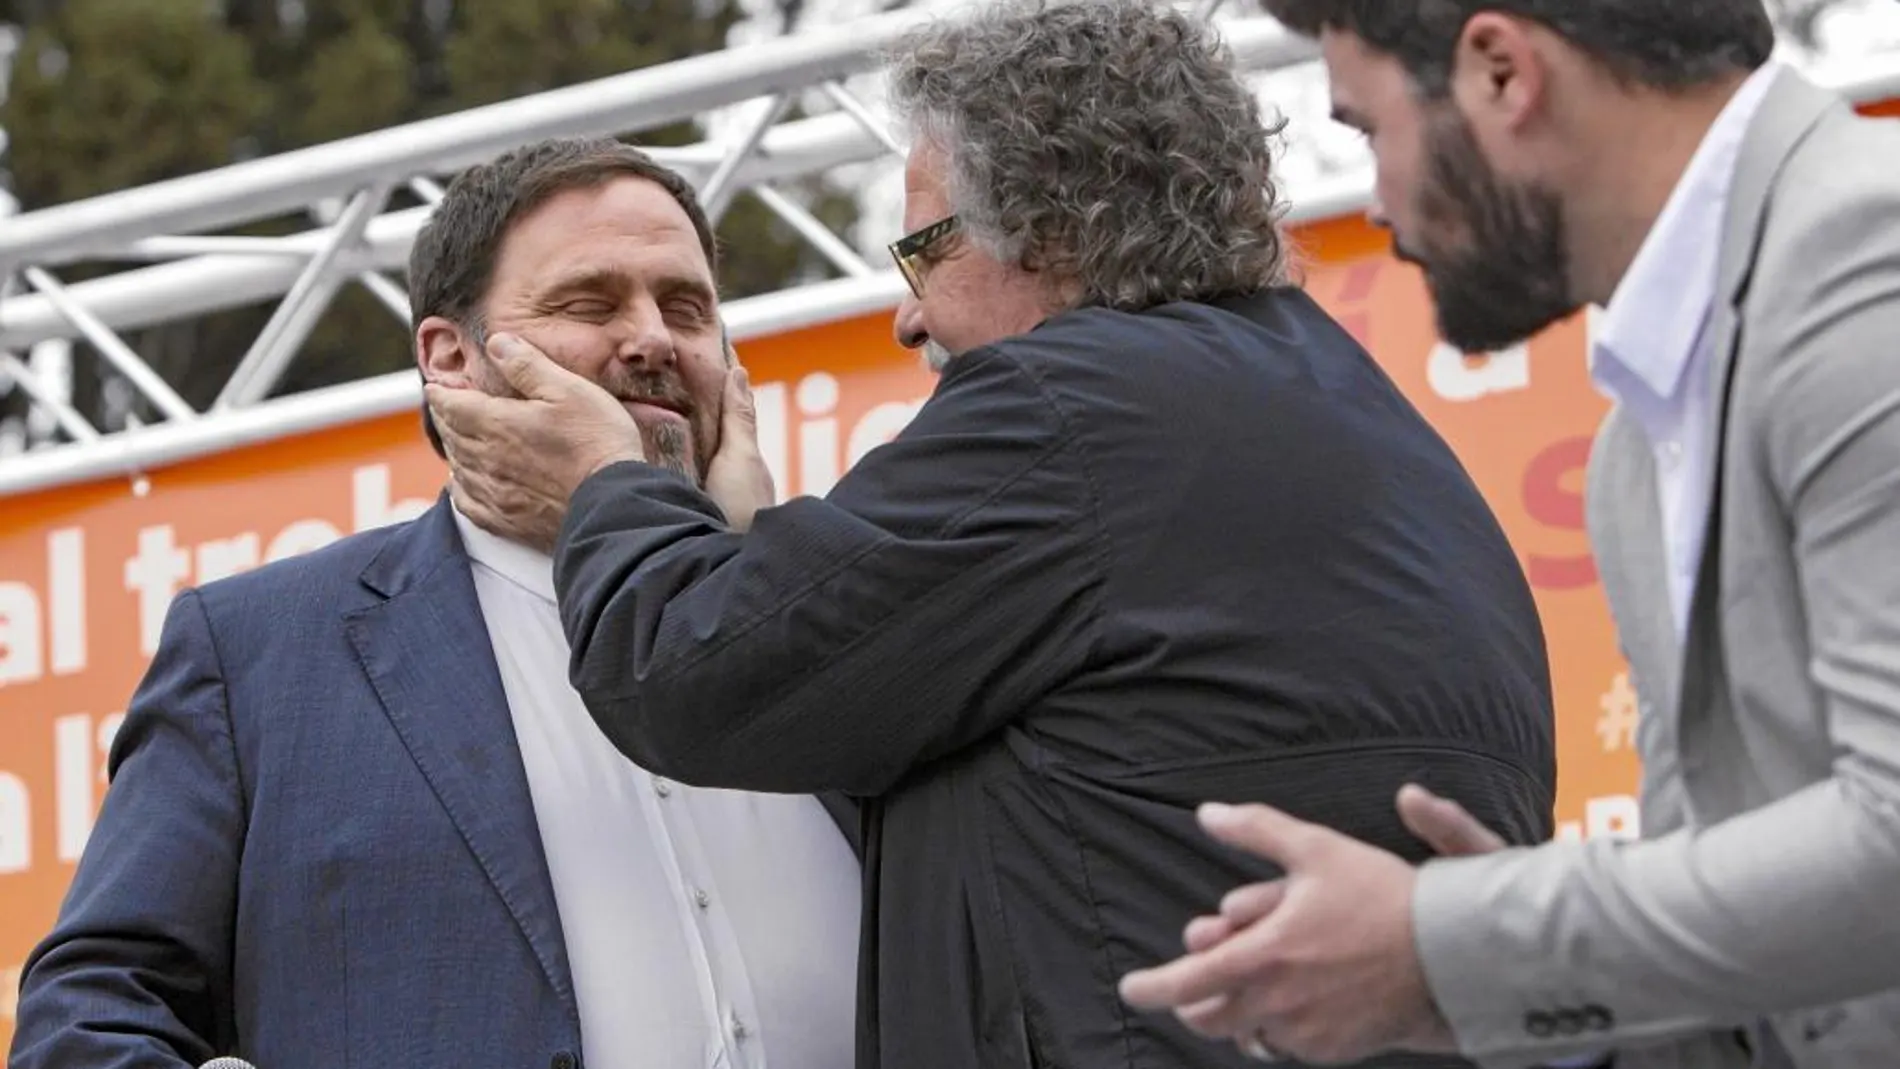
<point>1501,70</point>
<point>443,352</point>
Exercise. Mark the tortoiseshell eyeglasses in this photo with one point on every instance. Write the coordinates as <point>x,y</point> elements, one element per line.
<point>912,251</point>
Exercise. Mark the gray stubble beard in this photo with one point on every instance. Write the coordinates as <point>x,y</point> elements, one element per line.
<point>936,357</point>
<point>669,451</point>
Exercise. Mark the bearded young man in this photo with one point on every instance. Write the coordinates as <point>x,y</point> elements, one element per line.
<point>1742,229</point>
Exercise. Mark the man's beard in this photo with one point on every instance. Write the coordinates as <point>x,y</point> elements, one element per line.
<point>684,450</point>
<point>936,357</point>
<point>1502,273</point>
<point>666,448</point>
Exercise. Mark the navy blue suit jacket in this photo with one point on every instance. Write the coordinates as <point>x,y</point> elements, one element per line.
<point>318,850</point>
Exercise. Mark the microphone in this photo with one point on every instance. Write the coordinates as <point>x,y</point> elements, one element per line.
<point>227,1063</point>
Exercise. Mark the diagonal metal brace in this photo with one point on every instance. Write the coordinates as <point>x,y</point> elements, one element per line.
<point>113,350</point>
<point>855,108</point>
<point>388,294</point>
<point>297,316</point>
<point>716,194</point>
<point>65,415</point>
<point>815,232</point>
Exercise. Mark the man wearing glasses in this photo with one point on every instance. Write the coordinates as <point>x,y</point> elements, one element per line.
<point>1164,534</point>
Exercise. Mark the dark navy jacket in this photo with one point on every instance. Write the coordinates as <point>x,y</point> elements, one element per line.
<point>318,850</point>
<point>1117,566</point>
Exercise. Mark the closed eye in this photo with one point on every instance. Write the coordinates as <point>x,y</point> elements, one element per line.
<point>588,310</point>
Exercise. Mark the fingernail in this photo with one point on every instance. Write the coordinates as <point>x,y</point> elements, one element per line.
<point>1216,813</point>
<point>745,380</point>
<point>505,344</point>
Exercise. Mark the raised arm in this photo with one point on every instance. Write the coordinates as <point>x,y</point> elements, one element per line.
<point>840,642</point>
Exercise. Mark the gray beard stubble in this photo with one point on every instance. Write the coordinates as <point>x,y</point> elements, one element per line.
<point>669,449</point>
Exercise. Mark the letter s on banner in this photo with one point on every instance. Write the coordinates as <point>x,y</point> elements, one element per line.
<point>1550,502</point>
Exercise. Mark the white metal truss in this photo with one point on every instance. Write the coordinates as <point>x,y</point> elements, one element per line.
<point>345,187</point>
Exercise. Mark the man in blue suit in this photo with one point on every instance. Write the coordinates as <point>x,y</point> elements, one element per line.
<point>357,815</point>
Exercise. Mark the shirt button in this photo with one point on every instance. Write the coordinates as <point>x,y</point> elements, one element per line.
<point>1671,454</point>
<point>661,787</point>
<point>701,898</point>
<point>739,1030</point>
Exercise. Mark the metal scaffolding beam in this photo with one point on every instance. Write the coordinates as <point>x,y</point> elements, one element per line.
<point>194,276</point>
<point>157,222</point>
<point>183,272</point>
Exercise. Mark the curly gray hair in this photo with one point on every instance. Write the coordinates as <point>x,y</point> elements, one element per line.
<point>1109,144</point>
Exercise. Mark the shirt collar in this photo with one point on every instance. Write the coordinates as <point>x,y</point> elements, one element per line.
<point>527,568</point>
<point>1650,328</point>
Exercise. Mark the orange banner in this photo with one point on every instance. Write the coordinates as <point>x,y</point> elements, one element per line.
<point>86,572</point>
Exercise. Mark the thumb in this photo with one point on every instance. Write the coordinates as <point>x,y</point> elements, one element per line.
<point>739,418</point>
<point>1262,831</point>
<point>1444,825</point>
<point>526,368</point>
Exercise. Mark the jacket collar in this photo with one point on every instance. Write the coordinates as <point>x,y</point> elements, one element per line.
<point>426,650</point>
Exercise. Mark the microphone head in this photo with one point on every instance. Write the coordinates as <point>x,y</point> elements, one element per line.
<point>227,1063</point>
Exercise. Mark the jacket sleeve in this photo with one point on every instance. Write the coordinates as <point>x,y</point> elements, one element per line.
<point>136,973</point>
<point>1788,905</point>
<point>944,584</point>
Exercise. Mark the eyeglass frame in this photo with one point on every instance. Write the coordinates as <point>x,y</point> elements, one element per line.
<point>909,249</point>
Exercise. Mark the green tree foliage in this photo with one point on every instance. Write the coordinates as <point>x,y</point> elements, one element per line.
<point>505,48</point>
<point>109,94</point>
<point>112,93</point>
<point>369,56</point>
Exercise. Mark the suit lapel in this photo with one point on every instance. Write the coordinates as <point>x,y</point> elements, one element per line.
<point>1627,539</point>
<point>426,651</point>
<point>1626,536</point>
<point>1790,109</point>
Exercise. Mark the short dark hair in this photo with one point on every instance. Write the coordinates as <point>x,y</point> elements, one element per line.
<point>1666,45</point>
<point>452,260</point>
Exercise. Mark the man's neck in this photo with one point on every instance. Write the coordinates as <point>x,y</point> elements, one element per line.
<point>1638,150</point>
<point>499,551</point>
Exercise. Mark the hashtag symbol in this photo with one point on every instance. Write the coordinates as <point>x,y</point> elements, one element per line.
<point>1617,726</point>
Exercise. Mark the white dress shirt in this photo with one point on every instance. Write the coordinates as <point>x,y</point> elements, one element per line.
<point>1651,352</point>
<point>704,927</point>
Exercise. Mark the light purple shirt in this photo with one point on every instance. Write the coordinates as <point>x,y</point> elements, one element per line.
<point>1652,350</point>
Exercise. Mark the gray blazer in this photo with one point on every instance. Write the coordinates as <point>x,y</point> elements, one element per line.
<point>1768,882</point>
